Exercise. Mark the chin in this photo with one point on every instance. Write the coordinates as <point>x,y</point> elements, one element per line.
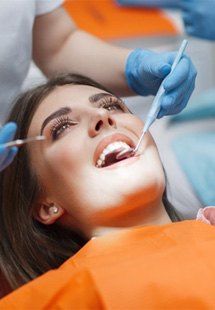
<point>121,188</point>
<point>129,208</point>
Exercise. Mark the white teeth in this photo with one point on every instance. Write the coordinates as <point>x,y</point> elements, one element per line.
<point>102,156</point>
<point>110,148</point>
<point>105,152</point>
<point>99,163</point>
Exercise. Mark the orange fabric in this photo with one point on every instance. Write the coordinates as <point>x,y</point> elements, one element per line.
<point>160,267</point>
<point>107,20</point>
<point>57,289</point>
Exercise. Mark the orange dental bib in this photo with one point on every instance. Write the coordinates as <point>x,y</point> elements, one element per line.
<point>159,267</point>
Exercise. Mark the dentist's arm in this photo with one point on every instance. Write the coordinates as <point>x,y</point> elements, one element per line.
<point>58,46</point>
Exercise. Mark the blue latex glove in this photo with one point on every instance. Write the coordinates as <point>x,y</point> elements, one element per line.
<point>199,17</point>
<point>150,3</point>
<point>145,70</point>
<point>7,155</point>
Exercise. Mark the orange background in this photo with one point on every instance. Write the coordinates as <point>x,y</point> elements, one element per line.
<point>107,20</point>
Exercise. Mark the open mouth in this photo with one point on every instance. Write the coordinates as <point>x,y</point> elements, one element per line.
<point>109,154</point>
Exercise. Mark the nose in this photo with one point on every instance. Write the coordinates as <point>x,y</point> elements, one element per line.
<point>100,120</point>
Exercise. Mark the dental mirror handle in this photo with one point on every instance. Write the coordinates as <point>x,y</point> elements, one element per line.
<point>20,142</point>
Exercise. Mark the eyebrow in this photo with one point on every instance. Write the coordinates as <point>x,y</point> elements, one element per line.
<point>58,113</point>
<point>95,98</point>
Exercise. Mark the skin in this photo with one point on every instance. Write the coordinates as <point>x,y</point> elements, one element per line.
<point>59,46</point>
<point>90,199</point>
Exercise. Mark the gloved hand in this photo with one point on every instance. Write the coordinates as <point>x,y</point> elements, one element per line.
<point>199,16</point>
<point>145,70</point>
<point>7,155</point>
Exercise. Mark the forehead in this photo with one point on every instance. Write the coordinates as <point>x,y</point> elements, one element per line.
<point>68,95</point>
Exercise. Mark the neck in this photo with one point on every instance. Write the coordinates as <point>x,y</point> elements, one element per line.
<point>155,214</point>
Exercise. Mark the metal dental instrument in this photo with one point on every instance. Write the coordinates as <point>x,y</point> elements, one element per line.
<point>155,107</point>
<point>20,142</point>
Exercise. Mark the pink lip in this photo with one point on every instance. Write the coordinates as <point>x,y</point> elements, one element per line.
<point>110,139</point>
<point>124,162</point>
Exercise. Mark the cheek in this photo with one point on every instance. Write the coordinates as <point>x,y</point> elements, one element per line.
<point>57,168</point>
<point>130,122</point>
<point>67,153</point>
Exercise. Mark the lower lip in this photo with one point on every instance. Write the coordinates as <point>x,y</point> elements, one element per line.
<point>123,162</point>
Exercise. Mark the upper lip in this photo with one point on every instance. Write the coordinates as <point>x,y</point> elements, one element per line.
<point>110,139</point>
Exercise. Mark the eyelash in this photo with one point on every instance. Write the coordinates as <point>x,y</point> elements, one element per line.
<point>58,127</point>
<point>112,104</point>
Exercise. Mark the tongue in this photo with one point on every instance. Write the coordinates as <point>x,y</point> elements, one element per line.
<point>111,157</point>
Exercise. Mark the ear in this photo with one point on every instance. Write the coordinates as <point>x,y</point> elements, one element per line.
<point>48,213</point>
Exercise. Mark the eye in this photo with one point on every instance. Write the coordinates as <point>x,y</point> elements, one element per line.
<point>113,104</point>
<point>60,126</point>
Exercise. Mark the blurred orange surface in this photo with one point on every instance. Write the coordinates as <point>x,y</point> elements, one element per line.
<point>107,20</point>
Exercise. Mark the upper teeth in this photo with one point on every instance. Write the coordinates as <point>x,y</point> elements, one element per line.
<point>109,149</point>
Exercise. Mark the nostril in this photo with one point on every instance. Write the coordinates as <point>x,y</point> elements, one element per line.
<point>110,122</point>
<point>98,125</point>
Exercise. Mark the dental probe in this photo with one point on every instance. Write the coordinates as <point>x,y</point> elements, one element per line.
<point>155,107</point>
<point>20,142</point>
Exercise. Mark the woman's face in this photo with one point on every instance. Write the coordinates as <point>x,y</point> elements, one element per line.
<point>81,125</point>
